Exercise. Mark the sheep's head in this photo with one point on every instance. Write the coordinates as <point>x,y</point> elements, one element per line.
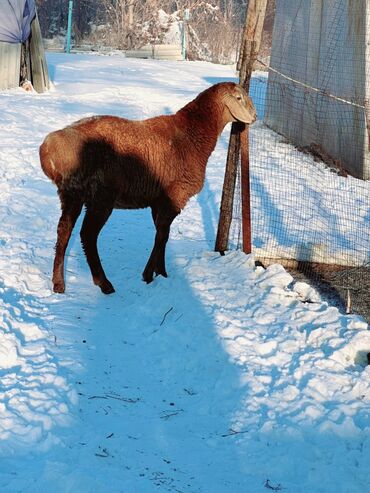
<point>240,105</point>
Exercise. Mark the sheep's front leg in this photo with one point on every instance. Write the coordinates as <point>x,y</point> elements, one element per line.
<point>156,263</point>
<point>94,220</point>
<point>71,209</point>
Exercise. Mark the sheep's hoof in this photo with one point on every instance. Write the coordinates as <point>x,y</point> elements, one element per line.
<point>59,287</point>
<point>107,287</point>
<point>161,273</point>
<point>148,277</point>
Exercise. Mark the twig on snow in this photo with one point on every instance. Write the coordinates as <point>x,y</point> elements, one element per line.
<point>233,433</point>
<point>130,400</point>
<point>165,315</point>
<point>269,486</point>
<point>168,415</point>
<point>116,397</point>
<point>190,391</point>
<point>104,453</point>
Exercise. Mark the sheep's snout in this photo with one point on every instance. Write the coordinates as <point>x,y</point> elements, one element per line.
<point>254,117</point>
<point>251,113</point>
<point>241,107</point>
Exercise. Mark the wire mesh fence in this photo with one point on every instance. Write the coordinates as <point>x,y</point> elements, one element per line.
<point>310,160</point>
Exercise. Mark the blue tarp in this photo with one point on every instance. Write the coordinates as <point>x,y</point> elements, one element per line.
<point>15,20</point>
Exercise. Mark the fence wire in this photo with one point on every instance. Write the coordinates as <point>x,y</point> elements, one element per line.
<point>310,159</point>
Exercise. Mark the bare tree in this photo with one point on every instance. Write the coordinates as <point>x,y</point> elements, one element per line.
<point>214,29</point>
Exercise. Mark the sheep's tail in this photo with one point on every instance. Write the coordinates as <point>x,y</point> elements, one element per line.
<point>48,164</point>
<point>57,160</point>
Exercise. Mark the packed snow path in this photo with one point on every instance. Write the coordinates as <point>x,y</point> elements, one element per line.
<point>223,378</point>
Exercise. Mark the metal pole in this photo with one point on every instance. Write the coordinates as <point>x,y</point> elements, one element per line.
<point>183,41</point>
<point>69,28</point>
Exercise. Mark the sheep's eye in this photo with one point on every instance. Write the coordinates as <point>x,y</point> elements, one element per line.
<point>239,98</point>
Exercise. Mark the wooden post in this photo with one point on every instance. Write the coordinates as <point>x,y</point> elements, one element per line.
<point>39,68</point>
<point>245,191</point>
<point>227,199</point>
<point>249,49</point>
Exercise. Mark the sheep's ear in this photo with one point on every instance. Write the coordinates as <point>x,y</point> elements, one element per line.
<point>239,111</point>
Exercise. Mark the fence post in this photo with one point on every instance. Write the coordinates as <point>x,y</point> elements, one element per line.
<point>249,49</point>
<point>69,27</point>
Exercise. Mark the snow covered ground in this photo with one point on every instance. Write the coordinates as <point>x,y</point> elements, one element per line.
<point>223,378</point>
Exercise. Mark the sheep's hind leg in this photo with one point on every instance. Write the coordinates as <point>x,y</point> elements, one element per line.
<point>156,263</point>
<point>94,220</point>
<point>71,209</point>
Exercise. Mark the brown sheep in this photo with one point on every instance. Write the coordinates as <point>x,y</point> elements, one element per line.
<point>106,162</point>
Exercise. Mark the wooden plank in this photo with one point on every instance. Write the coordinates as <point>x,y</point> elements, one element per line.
<point>138,54</point>
<point>10,61</point>
<point>40,74</point>
<point>291,263</point>
<point>174,58</point>
<point>158,52</point>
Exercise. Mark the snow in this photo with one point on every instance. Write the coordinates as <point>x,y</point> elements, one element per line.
<point>223,378</point>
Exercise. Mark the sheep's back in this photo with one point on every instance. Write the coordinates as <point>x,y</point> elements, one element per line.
<point>139,161</point>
